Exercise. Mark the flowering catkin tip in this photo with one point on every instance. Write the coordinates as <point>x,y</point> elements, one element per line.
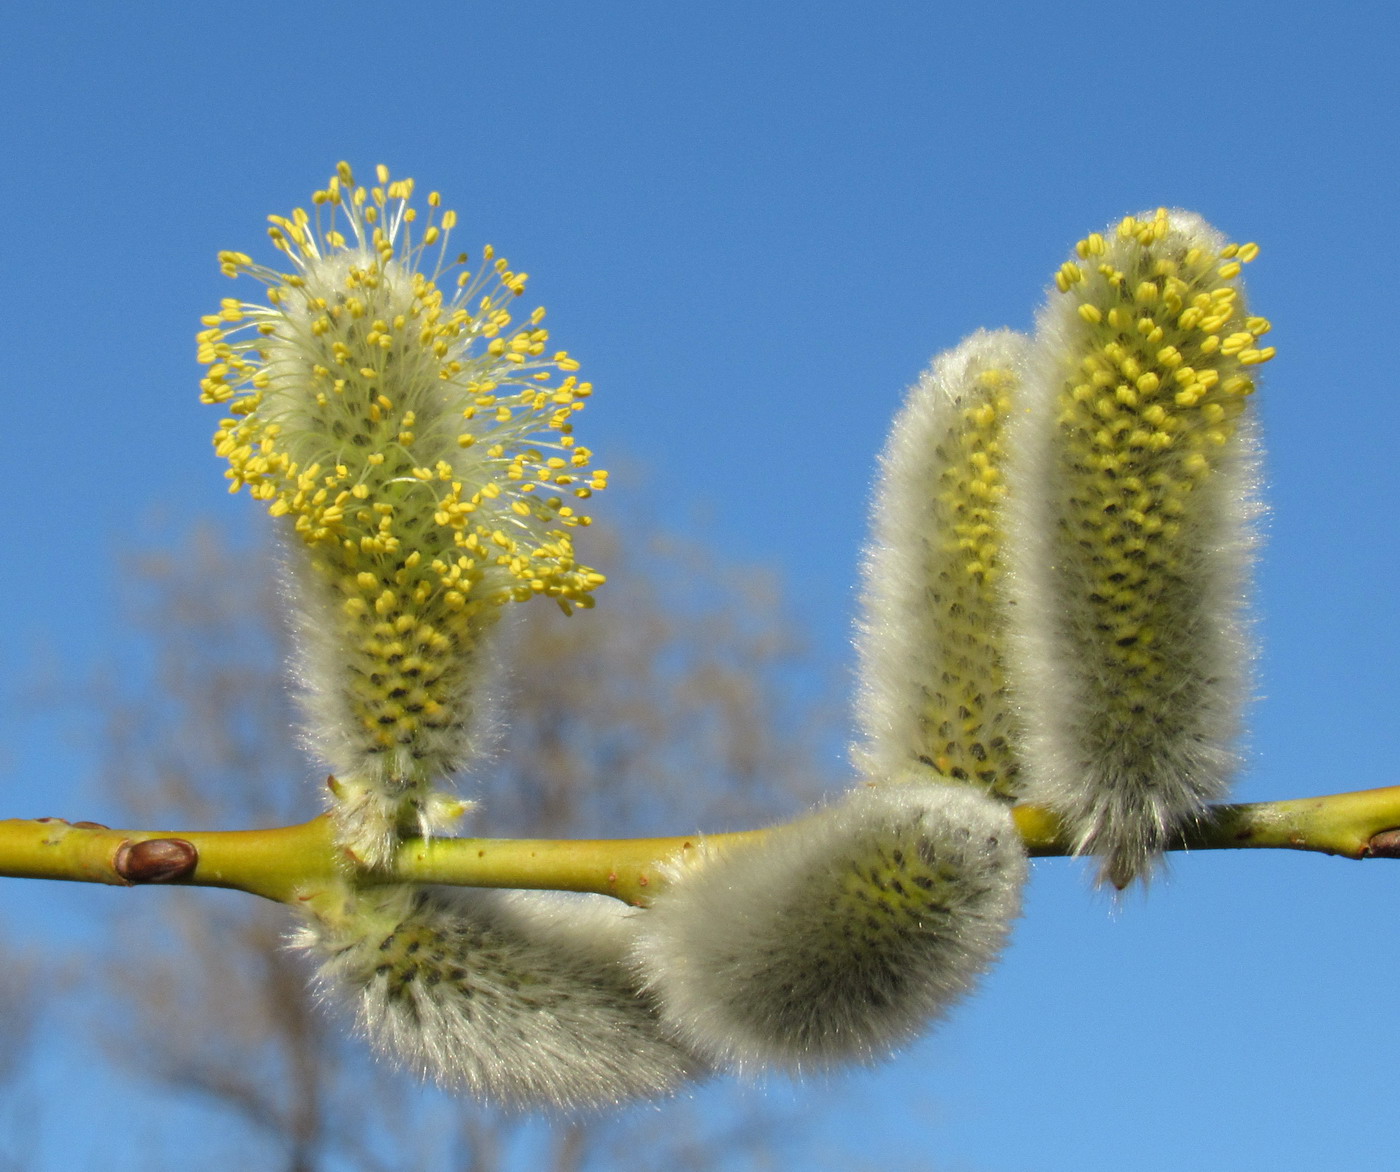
<point>1133,487</point>
<point>417,443</point>
<point>837,937</point>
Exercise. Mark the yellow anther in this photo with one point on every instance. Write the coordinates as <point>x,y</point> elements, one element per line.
<point>1070,274</point>
<point>1093,245</point>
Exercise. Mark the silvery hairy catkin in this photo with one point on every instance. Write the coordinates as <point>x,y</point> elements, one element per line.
<point>1133,476</point>
<point>521,998</point>
<point>837,937</point>
<point>933,627</point>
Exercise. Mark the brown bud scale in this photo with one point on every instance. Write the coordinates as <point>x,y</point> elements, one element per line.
<point>157,860</point>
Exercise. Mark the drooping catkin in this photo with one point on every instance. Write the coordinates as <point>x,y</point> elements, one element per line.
<point>933,624</point>
<point>1133,481</point>
<point>520,998</point>
<point>837,937</point>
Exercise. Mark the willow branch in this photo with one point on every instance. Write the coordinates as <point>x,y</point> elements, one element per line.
<point>290,863</point>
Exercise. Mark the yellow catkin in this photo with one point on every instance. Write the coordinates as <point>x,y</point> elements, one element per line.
<point>354,401</point>
<point>1135,543</point>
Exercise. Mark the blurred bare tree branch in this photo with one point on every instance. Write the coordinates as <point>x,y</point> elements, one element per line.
<point>24,978</point>
<point>683,701</point>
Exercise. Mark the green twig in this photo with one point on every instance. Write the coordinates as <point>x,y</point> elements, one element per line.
<point>289,863</point>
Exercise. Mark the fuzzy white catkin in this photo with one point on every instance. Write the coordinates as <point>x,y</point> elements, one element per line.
<point>933,624</point>
<point>416,444</point>
<point>520,998</point>
<point>1133,473</point>
<point>837,937</point>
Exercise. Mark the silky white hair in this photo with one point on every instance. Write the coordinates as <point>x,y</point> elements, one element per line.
<point>837,937</point>
<point>520,998</point>
<point>933,626</point>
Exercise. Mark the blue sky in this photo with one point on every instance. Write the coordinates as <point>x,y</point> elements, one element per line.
<point>755,223</point>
